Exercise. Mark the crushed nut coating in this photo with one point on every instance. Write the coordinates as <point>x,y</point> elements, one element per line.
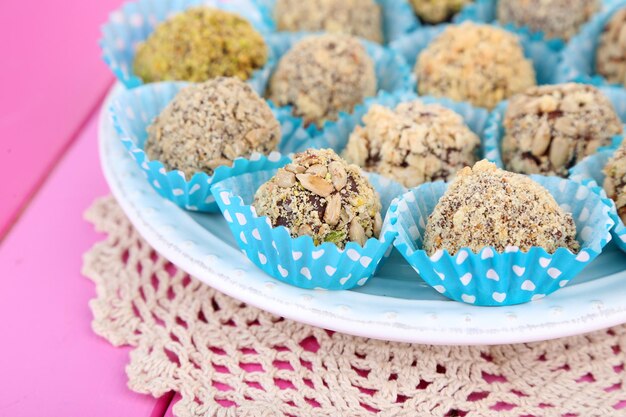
<point>413,143</point>
<point>211,124</point>
<point>480,64</point>
<point>489,207</point>
<point>322,196</point>
<point>360,18</point>
<point>555,18</point>
<point>611,52</point>
<point>548,129</point>
<point>437,11</point>
<point>199,44</point>
<point>323,75</point>
<point>615,180</point>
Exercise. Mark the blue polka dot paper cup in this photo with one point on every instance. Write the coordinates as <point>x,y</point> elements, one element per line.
<point>590,171</point>
<point>392,72</point>
<point>133,111</point>
<point>397,17</point>
<point>488,278</point>
<point>297,261</point>
<point>544,55</point>
<point>336,134</point>
<point>494,129</point>
<point>579,56</point>
<point>135,21</point>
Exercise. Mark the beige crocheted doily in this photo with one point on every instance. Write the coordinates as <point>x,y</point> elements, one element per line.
<point>229,359</point>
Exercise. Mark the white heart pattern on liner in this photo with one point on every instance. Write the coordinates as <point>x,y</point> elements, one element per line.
<point>225,196</point>
<point>352,254</point>
<point>486,253</point>
<point>241,219</point>
<point>499,296</point>
<point>544,262</point>
<point>436,256</point>
<point>317,253</point>
<point>362,282</point>
<point>262,259</point>
<point>465,279</point>
<point>528,285</point>
<point>256,234</point>
<point>307,274</point>
<point>330,270</point>
<point>343,280</point>
<point>365,261</point>
<point>439,288</point>
<point>283,271</point>
<point>554,273</point>
<point>471,299</point>
<point>461,257</point>
<point>583,256</point>
<point>243,238</point>
<point>492,274</point>
<point>519,270</point>
<point>296,255</point>
<point>195,188</point>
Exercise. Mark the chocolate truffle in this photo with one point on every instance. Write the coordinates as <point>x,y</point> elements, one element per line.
<point>437,11</point>
<point>413,144</point>
<point>480,64</point>
<point>615,180</point>
<point>555,18</point>
<point>489,207</point>
<point>611,52</point>
<point>321,196</point>
<point>323,75</point>
<point>210,124</point>
<point>360,18</point>
<point>199,44</point>
<point>548,129</point>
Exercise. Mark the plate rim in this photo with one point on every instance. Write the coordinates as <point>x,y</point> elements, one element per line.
<point>390,326</point>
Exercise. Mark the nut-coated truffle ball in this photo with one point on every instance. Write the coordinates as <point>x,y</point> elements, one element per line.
<point>211,124</point>
<point>555,18</point>
<point>480,64</point>
<point>611,52</point>
<point>321,76</point>
<point>413,143</point>
<point>615,180</point>
<point>489,207</point>
<point>550,128</point>
<point>199,44</point>
<point>360,18</point>
<point>437,11</point>
<point>321,196</point>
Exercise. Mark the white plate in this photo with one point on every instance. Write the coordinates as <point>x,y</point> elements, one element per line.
<point>395,305</point>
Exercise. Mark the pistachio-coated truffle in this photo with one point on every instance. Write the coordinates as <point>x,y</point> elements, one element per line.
<point>437,11</point>
<point>210,124</point>
<point>199,44</point>
<point>321,76</point>
<point>489,207</point>
<point>555,18</point>
<point>360,18</point>
<point>611,52</point>
<point>550,128</point>
<point>321,196</point>
<point>480,64</point>
<point>413,143</point>
<point>615,180</point>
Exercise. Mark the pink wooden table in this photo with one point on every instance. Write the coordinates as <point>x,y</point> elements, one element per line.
<point>52,81</point>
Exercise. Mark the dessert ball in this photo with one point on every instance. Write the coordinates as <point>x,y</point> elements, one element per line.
<point>555,18</point>
<point>476,63</point>
<point>413,143</point>
<point>437,11</point>
<point>323,75</point>
<point>615,180</point>
<point>211,124</point>
<point>489,207</point>
<point>611,52</point>
<point>321,196</point>
<point>360,18</point>
<point>548,129</point>
<point>199,44</point>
